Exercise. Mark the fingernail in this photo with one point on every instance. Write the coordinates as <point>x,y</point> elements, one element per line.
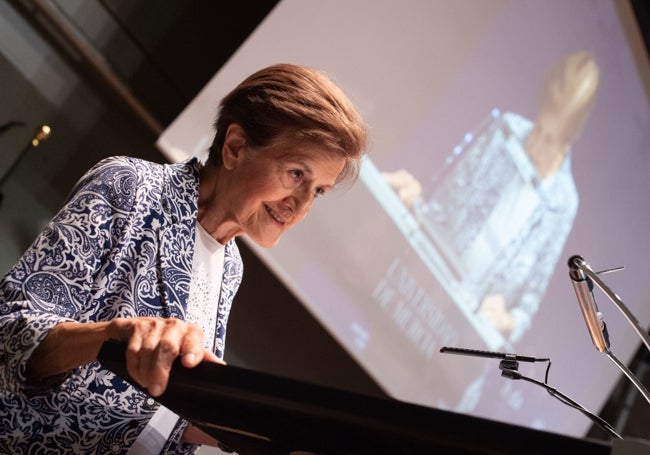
<point>190,358</point>
<point>155,390</point>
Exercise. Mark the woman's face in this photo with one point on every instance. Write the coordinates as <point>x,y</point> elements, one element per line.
<point>276,187</point>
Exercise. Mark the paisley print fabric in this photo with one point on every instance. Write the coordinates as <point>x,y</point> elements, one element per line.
<point>121,246</point>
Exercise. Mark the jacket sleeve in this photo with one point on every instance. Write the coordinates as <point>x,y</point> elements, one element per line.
<point>51,282</point>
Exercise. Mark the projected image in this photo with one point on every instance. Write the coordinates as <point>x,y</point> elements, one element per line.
<point>493,223</point>
<point>505,138</point>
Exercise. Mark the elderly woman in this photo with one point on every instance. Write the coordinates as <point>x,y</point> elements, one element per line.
<point>146,253</point>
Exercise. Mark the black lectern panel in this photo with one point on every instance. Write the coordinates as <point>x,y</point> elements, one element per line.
<point>258,413</point>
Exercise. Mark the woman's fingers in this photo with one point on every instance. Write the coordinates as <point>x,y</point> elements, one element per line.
<point>210,356</point>
<point>152,346</point>
<point>192,346</point>
<point>166,347</point>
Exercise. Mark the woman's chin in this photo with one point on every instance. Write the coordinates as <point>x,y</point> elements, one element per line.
<point>266,241</point>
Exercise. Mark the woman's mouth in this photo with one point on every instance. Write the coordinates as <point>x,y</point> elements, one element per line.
<point>275,215</point>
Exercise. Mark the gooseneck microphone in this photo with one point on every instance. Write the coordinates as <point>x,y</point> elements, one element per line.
<point>583,279</point>
<point>583,287</point>
<point>491,354</point>
<point>509,368</point>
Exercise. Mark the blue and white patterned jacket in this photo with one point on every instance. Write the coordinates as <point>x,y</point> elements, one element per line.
<point>121,246</point>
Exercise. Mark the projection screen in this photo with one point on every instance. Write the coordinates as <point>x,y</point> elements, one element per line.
<point>459,229</point>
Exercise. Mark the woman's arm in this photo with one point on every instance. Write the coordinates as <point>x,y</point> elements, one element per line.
<point>152,346</point>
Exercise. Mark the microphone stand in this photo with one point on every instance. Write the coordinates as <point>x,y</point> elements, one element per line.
<point>579,262</point>
<point>509,369</point>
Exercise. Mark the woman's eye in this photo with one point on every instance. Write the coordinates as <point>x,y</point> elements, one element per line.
<point>319,192</point>
<point>296,174</point>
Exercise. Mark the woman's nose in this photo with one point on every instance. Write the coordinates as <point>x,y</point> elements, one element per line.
<point>304,198</point>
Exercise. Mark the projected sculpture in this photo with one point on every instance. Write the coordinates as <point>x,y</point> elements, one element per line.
<point>502,208</point>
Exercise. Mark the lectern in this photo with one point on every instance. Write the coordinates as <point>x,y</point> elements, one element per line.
<point>258,414</point>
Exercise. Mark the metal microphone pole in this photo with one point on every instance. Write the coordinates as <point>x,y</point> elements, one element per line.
<point>578,262</point>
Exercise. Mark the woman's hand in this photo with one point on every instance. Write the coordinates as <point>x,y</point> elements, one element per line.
<point>494,309</point>
<point>407,187</point>
<point>152,346</point>
<point>154,343</point>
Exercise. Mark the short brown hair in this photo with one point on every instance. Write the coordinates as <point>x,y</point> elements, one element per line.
<point>295,101</point>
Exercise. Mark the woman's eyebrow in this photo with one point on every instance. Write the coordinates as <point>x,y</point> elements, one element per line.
<point>305,167</point>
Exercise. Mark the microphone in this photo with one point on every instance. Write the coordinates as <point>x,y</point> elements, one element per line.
<point>491,354</point>
<point>509,362</point>
<point>583,287</point>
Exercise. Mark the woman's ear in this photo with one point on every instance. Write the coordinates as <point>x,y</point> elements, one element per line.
<point>233,146</point>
